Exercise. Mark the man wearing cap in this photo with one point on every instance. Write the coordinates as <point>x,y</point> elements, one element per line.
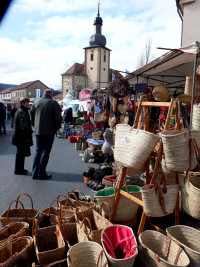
<point>46,119</point>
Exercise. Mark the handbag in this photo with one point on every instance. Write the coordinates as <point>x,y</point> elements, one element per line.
<point>133,147</point>
<point>159,200</point>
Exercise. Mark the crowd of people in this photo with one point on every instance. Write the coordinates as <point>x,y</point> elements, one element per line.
<point>45,117</point>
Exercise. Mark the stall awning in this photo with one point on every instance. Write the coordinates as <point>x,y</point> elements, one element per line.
<point>171,68</point>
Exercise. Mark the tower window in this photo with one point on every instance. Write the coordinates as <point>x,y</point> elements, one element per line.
<point>91,57</point>
<point>104,57</point>
<point>91,68</point>
<point>104,69</point>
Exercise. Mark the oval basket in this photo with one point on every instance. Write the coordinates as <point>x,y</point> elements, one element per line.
<point>188,238</point>
<point>161,92</point>
<point>160,250</point>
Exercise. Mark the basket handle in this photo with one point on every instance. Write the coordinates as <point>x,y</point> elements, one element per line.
<point>163,181</point>
<point>61,226</point>
<point>107,205</point>
<point>8,219</point>
<point>75,197</point>
<point>77,191</point>
<point>66,198</point>
<point>24,194</point>
<point>100,256</point>
<point>35,231</point>
<point>58,205</point>
<point>79,209</point>
<point>89,224</point>
<point>61,195</point>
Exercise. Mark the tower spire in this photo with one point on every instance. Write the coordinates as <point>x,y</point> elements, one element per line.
<point>98,8</point>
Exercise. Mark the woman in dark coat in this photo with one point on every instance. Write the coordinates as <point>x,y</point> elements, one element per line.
<point>22,136</point>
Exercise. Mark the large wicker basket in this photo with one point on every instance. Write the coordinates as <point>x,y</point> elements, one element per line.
<point>161,92</point>
<point>13,230</point>
<point>160,250</point>
<point>188,238</point>
<point>20,246</point>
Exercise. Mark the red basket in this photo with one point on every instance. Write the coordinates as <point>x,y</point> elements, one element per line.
<point>87,126</point>
<point>78,138</point>
<point>71,138</point>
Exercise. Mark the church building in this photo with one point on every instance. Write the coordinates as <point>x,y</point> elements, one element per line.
<point>95,72</point>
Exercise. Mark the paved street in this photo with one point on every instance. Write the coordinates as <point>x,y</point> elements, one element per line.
<point>65,165</point>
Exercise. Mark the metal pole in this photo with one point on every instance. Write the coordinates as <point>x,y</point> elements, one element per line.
<point>193,89</point>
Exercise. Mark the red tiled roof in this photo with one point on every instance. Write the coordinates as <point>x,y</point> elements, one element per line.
<point>76,69</point>
<point>7,90</point>
<point>23,85</point>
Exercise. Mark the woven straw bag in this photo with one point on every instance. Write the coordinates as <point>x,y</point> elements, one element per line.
<point>196,117</point>
<point>94,223</point>
<point>133,147</point>
<point>158,200</point>
<point>68,214</point>
<point>49,243</point>
<point>126,212</point>
<point>188,238</point>
<point>20,246</point>
<point>190,195</point>
<point>120,245</point>
<point>13,230</point>
<point>161,92</point>
<point>177,149</point>
<point>86,254</point>
<point>160,250</point>
<point>189,85</point>
<point>19,215</point>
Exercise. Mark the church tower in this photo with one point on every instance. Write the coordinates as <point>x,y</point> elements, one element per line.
<point>97,57</point>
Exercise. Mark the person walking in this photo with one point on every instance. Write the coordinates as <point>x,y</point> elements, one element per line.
<point>22,136</point>
<point>67,118</point>
<point>12,113</point>
<point>46,119</point>
<point>2,118</point>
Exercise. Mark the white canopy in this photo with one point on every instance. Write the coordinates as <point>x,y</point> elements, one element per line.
<point>171,68</point>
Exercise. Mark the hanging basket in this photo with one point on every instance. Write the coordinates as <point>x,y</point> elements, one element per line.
<point>189,86</point>
<point>133,147</point>
<point>188,238</point>
<point>160,250</point>
<point>161,92</point>
<point>196,117</point>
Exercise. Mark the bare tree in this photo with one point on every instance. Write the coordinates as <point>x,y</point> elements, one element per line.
<point>146,55</point>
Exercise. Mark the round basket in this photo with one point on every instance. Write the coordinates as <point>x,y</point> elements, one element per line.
<point>188,238</point>
<point>161,92</point>
<point>119,88</point>
<point>160,250</point>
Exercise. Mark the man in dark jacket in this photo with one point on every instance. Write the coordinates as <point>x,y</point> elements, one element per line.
<point>46,119</point>
<point>22,136</point>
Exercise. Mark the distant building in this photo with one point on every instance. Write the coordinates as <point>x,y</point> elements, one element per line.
<point>95,72</point>
<point>31,90</point>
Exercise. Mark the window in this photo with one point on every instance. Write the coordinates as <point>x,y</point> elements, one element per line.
<point>91,68</point>
<point>104,69</point>
<point>91,55</point>
<point>29,93</point>
<point>104,56</point>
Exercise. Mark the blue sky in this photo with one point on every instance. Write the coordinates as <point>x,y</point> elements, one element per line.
<point>40,39</point>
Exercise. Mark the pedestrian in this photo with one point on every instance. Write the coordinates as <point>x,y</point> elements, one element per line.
<point>67,118</point>
<point>2,118</point>
<point>22,136</point>
<point>12,113</point>
<point>46,119</point>
<point>4,121</point>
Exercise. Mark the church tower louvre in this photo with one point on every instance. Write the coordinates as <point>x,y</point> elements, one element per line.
<point>97,57</point>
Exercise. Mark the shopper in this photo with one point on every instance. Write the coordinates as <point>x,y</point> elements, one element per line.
<point>67,118</point>
<point>22,136</point>
<point>12,113</point>
<point>46,119</point>
<point>2,118</point>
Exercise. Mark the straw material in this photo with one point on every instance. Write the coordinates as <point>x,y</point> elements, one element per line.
<point>13,230</point>
<point>188,238</point>
<point>176,145</point>
<point>161,92</point>
<point>49,243</point>
<point>18,215</point>
<point>152,198</point>
<point>196,117</point>
<point>196,135</point>
<point>127,261</point>
<point>190,195</point>
<point>189,85</point>
<point>20,246</point>
<point>94,223</point>
<point>133,147</point>
<point>86,254</point>
<point>170,176</point>
<point>126,212</point>
<point>160,250</point>
<point>185,99</point>
<point>68,215</point>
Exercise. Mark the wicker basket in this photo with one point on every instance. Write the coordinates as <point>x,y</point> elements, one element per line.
<point>49,243</point>
<point>18,215</point>
<point>133,147</point>
<point>196,117</point>
<point>115,237</point>
<point>190,195</point>
<point>13,230</point>
<point>161,92</point>
<point>176,145</point>
<point>185,99</point>
<point>160,250</point>
<point>126,212</point>
<point>86,254</point>
<point>188,238</point>
<point>189,85</point>
<point>154,194</point>
<point>68,215</point>
<point>94,223</point>
<point>20,246</point>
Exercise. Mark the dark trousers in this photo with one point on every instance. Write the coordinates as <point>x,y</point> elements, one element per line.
<point>19,160</point>
<point>43,148</point>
